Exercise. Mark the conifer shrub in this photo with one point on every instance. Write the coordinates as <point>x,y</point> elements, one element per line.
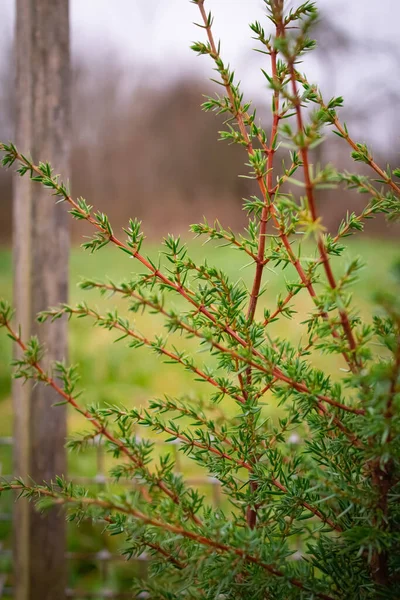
<point>310,498</point>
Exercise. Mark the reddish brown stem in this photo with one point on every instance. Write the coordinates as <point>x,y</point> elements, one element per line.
<point>280,308</point>
<point>186,294</point>
<point>273,370</point>
<point>312,206</point>
<point>265,191</point>
<point>251,514</point>
<point>103,431</point>
<point>98,426</point>
<point>268,199</point>
<point>186,440</point>
<point>346,136</point>
<point>265,187</point>
<point>370,161</point>
<point>175,529</point>
<point>300,387</point>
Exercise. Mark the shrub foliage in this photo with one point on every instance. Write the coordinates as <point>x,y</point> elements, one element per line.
<point>311,498</point>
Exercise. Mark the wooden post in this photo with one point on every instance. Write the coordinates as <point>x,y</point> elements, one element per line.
<point>41,244</point>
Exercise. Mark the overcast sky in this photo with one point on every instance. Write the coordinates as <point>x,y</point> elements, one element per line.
<point>152,37</point>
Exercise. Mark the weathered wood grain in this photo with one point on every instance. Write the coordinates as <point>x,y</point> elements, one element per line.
<point>40,238</point>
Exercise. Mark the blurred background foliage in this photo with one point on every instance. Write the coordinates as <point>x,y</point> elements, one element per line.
<point>142,147</point>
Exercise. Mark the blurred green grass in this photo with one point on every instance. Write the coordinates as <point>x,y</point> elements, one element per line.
<point>114,373</point>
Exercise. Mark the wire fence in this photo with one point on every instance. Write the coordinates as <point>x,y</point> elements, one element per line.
<point>103,560</point>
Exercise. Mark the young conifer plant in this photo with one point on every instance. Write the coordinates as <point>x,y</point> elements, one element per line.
<point>311,500</point>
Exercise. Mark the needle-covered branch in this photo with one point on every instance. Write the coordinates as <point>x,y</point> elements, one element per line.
<point>113,321</point>
<point>106,508</point>
<point>29,367</point>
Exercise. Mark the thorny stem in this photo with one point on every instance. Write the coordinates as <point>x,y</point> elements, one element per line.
<point>153,545</point>
<point>371,162</point>
<point>222,437</point>
<point>242,464</point>
<point>240,117</point>
<point>101,429</point>
<point>231,239</point>
<point>165,526</point>
<point>346,136</point>
<point>191,442</point>
<point>279,308</point>
<point>388,180</point>
<point>268,201</point>
<point>267,191</point>
<point>364,214</point>
<point>312,206</point>
<point>264,188</point>
<point>252,512</point>
<point>300,387</point>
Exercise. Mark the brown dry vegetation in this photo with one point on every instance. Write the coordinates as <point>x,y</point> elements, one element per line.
<point>150,152</point>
